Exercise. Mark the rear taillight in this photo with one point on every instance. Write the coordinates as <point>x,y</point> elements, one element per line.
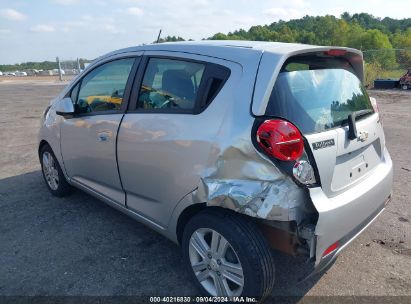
<point>375,107</point>
<point>331,249</point>
<point>280,139</point>
<point>303,172</point>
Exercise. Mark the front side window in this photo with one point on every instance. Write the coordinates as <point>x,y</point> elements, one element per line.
<point>170,84</point>
<point>74,93</point>
<point>317,95</point>
<point>103,88</point>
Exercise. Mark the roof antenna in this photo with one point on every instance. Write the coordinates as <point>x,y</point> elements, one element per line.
<point>158,37</point>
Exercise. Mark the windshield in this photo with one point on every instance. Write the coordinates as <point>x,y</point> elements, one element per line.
<point>317,100</point>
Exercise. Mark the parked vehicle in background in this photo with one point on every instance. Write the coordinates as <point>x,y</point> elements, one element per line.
<point>56,72</point>
<point>405,80</point>
<point>229,148</point>
<point>45,73</point>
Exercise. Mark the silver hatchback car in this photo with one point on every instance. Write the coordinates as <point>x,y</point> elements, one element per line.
<point>230,149</point>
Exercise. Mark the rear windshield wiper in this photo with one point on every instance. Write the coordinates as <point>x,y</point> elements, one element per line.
<point>352,128</point>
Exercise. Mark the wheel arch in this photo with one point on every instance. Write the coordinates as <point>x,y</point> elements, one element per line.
<point>185,216</point>
<point>42,144</point>
<point>194,209</point>
<point>245,238</point>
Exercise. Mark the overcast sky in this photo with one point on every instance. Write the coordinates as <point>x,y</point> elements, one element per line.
<point>43,29</point>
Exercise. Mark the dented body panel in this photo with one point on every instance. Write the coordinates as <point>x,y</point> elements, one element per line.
<point>277,200</point>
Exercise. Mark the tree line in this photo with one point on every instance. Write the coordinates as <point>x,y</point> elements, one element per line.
<point>44,65</point>
<point>377,37</point>
<point>361,31</point>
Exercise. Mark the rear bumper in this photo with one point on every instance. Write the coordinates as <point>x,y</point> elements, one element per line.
<point>342,218</point>
<point>327,260</point>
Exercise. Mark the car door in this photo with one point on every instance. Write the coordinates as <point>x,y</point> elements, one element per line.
<point>165,140</point>
<point>88,139</point>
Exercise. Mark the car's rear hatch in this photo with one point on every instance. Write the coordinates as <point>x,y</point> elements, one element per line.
<point>318,92</point>
<point>321,93</point>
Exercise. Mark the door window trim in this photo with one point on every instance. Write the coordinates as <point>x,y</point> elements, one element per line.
<point>203,88</point>
<point>127,90</point>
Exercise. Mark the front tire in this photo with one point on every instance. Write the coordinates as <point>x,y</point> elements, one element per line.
<point>405,87</point>
<point>227,255</point>
<point>52,173</point>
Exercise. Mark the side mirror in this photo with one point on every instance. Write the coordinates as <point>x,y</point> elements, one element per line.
<point>65,107</point>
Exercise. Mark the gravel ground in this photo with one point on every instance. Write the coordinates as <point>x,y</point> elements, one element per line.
<point>80,246</point>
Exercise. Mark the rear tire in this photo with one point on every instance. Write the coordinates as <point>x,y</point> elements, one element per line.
<point>246,249</point>
<point>53,175</point>
<point>404,87</point>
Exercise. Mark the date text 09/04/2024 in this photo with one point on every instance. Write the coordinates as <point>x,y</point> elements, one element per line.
<point>202,299</point>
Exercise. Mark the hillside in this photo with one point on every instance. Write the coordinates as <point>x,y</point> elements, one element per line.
<point>362,31</point>
<point>386,43</point>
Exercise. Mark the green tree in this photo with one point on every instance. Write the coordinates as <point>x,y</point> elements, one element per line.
<point>170,39</point>
<point>379,48</point>
<point>219,36</point>
<point>402,40</point>
<point>340,33</point>
<point>285,34</point>
<point>260,33</point>
<point>306,37</point>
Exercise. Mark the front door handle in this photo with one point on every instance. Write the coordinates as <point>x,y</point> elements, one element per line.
<point>104,135</point>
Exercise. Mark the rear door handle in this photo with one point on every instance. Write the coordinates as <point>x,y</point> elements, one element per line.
<point>104,135</point>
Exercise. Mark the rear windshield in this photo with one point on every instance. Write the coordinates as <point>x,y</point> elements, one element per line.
<point>317,94</point>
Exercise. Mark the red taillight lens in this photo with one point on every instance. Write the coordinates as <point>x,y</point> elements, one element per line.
<point>330,249</point>
<point>280,139</point>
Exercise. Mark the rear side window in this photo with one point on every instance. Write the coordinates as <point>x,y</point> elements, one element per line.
<point>174,85</point>
<point>317,94</point>
<point>170,84</point>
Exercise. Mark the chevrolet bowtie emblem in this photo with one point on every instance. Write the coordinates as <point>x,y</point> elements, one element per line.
<point>363,136</point>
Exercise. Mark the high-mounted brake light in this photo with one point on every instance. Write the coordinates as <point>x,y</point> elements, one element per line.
<point>335,52</point>
<point>280,139</point>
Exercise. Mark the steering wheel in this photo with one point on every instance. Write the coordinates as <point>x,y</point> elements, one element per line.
<point>84,107</point>
<point>169,103</point>
<point>118,93</point>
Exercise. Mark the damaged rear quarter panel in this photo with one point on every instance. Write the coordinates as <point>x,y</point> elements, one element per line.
<point>236,176</point>
<point>239,178</point>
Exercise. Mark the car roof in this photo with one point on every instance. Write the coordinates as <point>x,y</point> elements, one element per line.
<point>234,50</point>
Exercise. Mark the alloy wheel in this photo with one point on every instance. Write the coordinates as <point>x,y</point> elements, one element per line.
<point>215,263</point>
<point>50,170</point>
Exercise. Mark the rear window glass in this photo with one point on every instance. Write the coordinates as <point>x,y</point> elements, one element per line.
<point>317,94</point>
